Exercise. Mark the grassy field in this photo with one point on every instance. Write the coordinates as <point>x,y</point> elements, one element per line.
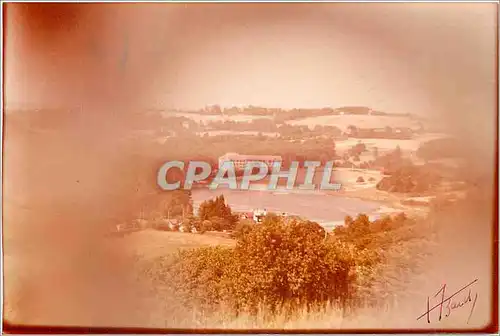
<point>149,244</point>
<point>199,118</point>
<point>361,121</point>
<point>249,133</point>
<point>382,145</point>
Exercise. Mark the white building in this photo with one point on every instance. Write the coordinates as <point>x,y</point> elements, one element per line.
<point>240,160</point>
<point>259,214</point>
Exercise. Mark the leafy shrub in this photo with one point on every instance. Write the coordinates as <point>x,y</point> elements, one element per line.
<point>198,276</point>
<point>242,228</point>
<point>206,225</point>
<point>357,149</point>
<point>360,179</point>
<point>180,203</point>
<point>220,224</point>
<point>374,235</point>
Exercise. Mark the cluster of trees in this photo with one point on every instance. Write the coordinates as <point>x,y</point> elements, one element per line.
<point>386,133</point>
<point>391,161</point>
<point>287,265</point>
<point>402,175</point>
<point>286,131</point>
<point>295,114</point>
<point>213,215</point>
<point>181,123</point>
<point>180,204</point>
<point>283,115</point>
<point>410,179</point>
<point>218,213</point>
<point>300,132</point>
<point>301,112</point>
<point>388,162</point>
<point>210,149</point>
<point>376,234</point>
<point>351,158</point>
<point>439,149</point>
<point>276,265</point>
<point>354,152</point>
<point>259,125</point>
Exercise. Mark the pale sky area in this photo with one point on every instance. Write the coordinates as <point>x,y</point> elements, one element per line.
<point>394,58</point>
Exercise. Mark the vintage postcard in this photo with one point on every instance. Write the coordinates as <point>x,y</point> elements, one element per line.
<point>250,167</point>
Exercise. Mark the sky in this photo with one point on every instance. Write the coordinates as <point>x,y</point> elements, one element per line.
<point>393,57</point>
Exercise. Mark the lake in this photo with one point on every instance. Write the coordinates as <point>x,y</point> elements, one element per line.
<point>327,210</point>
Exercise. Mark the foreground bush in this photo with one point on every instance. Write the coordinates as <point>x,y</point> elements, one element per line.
<point>276,265</point>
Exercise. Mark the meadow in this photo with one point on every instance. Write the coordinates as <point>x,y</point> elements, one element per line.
<point>360,121</point>
<point>201,118</point>
<point>149,243</point>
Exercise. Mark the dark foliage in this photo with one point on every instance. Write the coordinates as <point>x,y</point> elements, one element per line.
<point>410,179</point>
<point>276,265</point>
<point>218,213</point>
<point>440,149</point>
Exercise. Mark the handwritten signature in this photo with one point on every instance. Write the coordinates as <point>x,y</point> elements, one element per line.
<point>448,304</point>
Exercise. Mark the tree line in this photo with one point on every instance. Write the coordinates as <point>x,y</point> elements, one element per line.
<point>286,265</point>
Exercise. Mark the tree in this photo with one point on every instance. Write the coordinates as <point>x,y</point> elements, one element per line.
<point>180,204</point>
<point>242,228</point>
<point>218,223</point>
<point>216,109</point>
<point>359,227</point>
<point>440,149</point>
<point>398,153</point>
<point>409,178</point>
<point>277,266</point>
<point>206,209</point>
<point>352,130</point>
<point>192,222</point>
<point>348,220</point>
<point>219,213</point>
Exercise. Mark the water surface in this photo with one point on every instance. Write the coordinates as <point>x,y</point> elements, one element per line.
<point>328,210</point>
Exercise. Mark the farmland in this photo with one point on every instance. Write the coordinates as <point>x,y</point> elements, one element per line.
<point>361,121</point>
<point>410,145</point>
<point>149,244</point>
<point>202,118</point>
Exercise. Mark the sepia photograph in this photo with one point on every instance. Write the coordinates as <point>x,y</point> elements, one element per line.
<point>249,167</point>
